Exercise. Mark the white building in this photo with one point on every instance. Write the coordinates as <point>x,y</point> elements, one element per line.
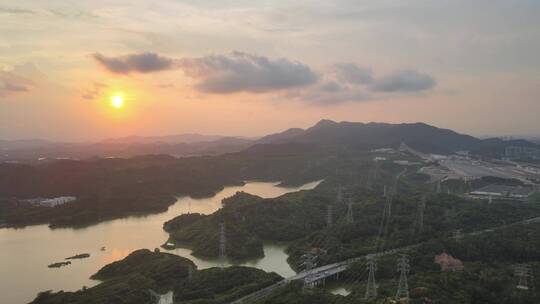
<point>52,202</point>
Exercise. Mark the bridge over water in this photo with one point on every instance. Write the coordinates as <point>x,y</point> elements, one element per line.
<point>316,275</point>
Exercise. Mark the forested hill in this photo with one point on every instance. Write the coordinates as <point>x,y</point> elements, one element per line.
<point>326,133</point>
<point>421,136</point>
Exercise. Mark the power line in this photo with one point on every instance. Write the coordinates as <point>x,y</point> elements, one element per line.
<point>222,244</point>
<point>421,209</point>
<point>339,196</point>
<point>350,218</point>
<point>329,215</point>
<point>190,272</point>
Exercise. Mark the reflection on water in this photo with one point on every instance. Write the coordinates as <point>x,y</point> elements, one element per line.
<point>25,253</point>
<point>275,260</point>
<point>339,291</point>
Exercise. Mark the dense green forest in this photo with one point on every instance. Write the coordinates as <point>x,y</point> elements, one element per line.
<point>112,188</point>
<point>129,281</point>
<point>301,218</point>
<point>489,261</point>
<point>412,212</point>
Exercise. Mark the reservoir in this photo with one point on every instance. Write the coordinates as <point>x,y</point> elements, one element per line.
<point>25,253</point>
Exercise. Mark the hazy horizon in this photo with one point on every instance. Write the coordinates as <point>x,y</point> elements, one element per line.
<point>81,71</point>
<point>253,137</point>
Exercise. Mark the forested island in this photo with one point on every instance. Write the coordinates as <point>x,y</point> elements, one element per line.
<point>132,279</point>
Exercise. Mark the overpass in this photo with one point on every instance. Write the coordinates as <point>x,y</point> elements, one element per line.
<point>317,275</point>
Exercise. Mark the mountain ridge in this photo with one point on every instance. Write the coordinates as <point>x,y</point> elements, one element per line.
<point>325,133</point>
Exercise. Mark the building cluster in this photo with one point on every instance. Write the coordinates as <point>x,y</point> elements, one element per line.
<point>52,202</point>
<point>521,152</point>
<point>503,191</point>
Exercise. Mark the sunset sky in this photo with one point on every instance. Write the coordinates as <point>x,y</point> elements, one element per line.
<point>254,67</point>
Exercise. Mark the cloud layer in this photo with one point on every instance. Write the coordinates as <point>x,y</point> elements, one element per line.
<point>404,81</point>
<point>11,83</point>
<point>140,63</point>
<point>242,72</point>
<point>352,73</point>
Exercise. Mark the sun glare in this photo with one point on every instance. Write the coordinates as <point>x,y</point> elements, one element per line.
<point>117,101</point>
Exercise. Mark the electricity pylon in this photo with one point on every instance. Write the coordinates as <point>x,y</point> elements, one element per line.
<point>310,262</point>
<point>421,209</point>
<point>329,215</point>
<point>167,298</point>
<point>339,196</point>
<point>457,235</point>
<point>403,287</point>
<point>371,288</point>
<point>222,244</point>
<point>350,218</point>
<point>389,199</point>
<point>383,229</point>
<point>190,272</point>
<point>524,274</point>
<point>376,172</point>
<point>368,180</point>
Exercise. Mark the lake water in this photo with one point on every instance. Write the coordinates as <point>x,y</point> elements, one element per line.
<point>25,253</point>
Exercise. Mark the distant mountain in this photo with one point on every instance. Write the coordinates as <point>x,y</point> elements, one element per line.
<point>170,139</point>
<point>281,137</point>
<point>19,144</point>
<point>420,136</point>
<point>29,151</point>
<point>325,134</point>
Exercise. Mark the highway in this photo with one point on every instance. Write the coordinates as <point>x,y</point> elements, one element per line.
<point>325,271</point>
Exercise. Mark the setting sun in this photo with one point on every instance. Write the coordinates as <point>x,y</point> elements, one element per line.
<point>117,101</point>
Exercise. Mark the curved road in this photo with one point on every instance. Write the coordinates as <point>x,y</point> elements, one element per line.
<point>331,269</point>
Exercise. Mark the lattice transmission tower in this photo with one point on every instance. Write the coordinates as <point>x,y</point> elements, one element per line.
<point>457,235</point>
<point>222,244</point>
<point>421,209</point>
<point>350,218</point>
<point>329,215</point>
<point>339,196</point>
<point>403,268</point>
<point>525,276</point>
<point>371,288</point>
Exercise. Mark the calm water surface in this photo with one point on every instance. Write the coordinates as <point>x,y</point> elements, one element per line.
<point>25,253</point>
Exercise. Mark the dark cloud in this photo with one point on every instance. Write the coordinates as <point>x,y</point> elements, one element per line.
<point>15,10</point>
<point>11,83</point>
<point>404,81</point>
<point>94,91</point>
<point>135,63</point>
<point>14,87</point>
<point>331,86</point>
<point>332,93</point>
<point>242,72</point>
<point>351,83</point>
<point>353,74</point>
